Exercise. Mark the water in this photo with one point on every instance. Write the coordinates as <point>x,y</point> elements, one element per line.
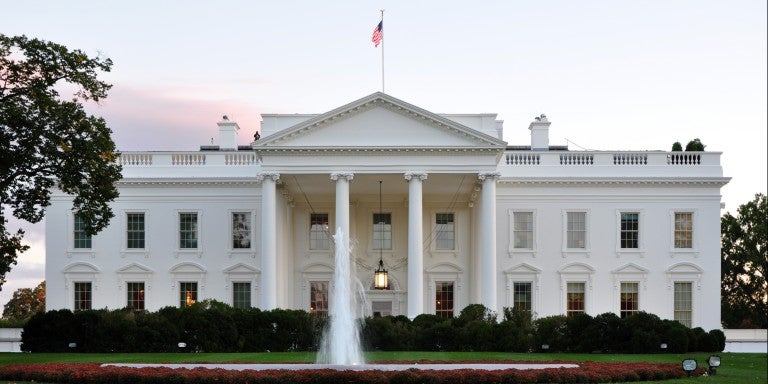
<point>340,344</point>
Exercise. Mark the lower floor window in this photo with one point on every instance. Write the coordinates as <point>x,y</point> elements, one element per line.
<point>629,299</point>
<point>444,299</point>
<point>135,292</point>
<point>83,296</point>
<point>684,303</point>
<point>241,295</point>
<point>381,308</point>
<point>523,296</point>
<point>318,298</point>
<point>575,297</point>
<point>187,294</point>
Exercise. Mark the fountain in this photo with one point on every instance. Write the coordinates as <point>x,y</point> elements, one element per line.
<point>340,344</point>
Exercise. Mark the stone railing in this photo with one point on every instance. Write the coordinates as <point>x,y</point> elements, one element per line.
<point>187,159</point>
<point>607,158</point>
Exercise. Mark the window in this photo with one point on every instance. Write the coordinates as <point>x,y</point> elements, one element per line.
<point>135,231</point>
<point>382,231</point>
<point>187,294</point>
<point>135,292</point>
<point>83,296</point>
<point>523,296</point>
<point>241,295</point>
<point>241,230</point>
<point>444,231</point>
<point>381,308</point>
<point>318,232</point>
<point>523,230</point>
<point>575,297</point>
<point>577,230</point>
<point>318,298</point>
<point>444,299</point>
<point>629,299</point>
<point>684,303</point>
<point>82,239</point>
<point>188,230</point>
<point>630,230</point>
<point>683,230</point>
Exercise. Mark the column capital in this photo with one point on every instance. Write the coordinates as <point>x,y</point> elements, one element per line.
<point>348,175</point>
<point>412,175</point>
<point>494,175</point>
<point>275,176</point>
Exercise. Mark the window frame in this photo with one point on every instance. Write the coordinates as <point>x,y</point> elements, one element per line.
<point>623,313</point>
<point>586,249</point>
<point>530,295</point>
<point>249,231</point>
<point>691,301</point>
<point>512,248</point>
<point>673,250</point>
<point>373,231</point>
<point>76,300</point>
<point>144,231</point>
<point>314,300</point>
<point>197,231</point>
<point>310,238</point>
<point>572,312</point>
<point>142,293</point>
<point>445,313</point>
<point>184,299</point>
<point>236,302</point>
<point>77,229</point>
<point>453,232</point>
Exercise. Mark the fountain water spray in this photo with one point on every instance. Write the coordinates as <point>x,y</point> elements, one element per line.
<point>341,340</point>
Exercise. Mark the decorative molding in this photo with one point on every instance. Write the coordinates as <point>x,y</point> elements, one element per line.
<point>491,175</point>
<point>713,181</point>
<point>275,176</point>
<point>415,175</point>
<point>347,175</point>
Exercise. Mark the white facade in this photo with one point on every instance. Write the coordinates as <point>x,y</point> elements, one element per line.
<point>467,219</point>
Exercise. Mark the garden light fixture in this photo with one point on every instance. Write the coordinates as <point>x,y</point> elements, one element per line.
<point>689,365</point>
<point>713,361</point>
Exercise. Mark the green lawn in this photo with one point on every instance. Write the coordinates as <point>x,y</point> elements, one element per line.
<point>737,368</point>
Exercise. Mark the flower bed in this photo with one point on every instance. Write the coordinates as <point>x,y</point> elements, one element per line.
<point>589,372</point>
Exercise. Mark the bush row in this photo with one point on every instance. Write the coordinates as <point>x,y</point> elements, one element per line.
<point>211,326</point>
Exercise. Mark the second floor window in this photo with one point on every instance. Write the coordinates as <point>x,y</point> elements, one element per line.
<point>683,230</point>
<point>318,232</point>
<point>630,230</point>
<point>382,231</point>
<point>135,231</point>
<point>241,230</point>
<point>445,231</point>
<point>81,238</point>
<point>523,230</point>
<point>576,230</point>
<point>188,230</point>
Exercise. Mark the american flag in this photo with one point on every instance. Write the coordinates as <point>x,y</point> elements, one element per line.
<point>378,34</point>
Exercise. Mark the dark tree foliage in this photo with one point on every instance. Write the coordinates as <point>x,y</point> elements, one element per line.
<point>47,141</point>
<point>677,147</point>
<point>25,303</point>
<point>743,265</point>
<point>695,145</point>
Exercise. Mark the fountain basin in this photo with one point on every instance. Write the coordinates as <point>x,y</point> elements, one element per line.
<point>356,367</point>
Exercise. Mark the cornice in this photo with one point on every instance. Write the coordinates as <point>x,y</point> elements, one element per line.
<point>294,151</point>
<point>702,181</point>
<point>250,181</point>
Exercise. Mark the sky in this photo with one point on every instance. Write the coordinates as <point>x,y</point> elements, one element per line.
<point>610,75</point>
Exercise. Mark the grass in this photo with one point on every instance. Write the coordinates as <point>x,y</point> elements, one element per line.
<point>736,368</point>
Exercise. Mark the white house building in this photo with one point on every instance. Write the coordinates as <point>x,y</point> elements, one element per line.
<point>456,215</point>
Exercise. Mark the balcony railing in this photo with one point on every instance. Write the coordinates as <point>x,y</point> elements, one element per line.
<point>187,159</point>
<point>532,158</point>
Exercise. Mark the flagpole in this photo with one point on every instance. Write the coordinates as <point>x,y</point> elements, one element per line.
<point>382,51</point>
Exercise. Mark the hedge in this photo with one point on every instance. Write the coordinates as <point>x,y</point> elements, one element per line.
<point>211,326</point>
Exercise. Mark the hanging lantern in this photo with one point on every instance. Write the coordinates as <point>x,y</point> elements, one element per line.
<point>381,277</point>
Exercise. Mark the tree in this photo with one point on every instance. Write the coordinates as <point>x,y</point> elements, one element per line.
<point>695,145</point>
<point>25,303</point>
<point>744,258</point>
<point>677,147</point>
<point>48,142</point>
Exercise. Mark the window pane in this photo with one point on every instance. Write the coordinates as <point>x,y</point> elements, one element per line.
<point>630,230</point>
<point>523,296</point>
<point>187,294</point>
<point>135,292</point>
<point>318,232</point>
<point>445,231</point>
<point>382,231</point>
<point>683,230</point>
<point>684,303</point>
<point>241,230</point>
<point>629,299</point>
<point>241,295</point>
<point>83,296</point>
<point>318,300</point>
<point>575,297</point>
<point>188,230</point>
<point>444,299</point>
<point>135,231</point>
<point>82,239</point>
<point>523,230</point>
<point>381,308</point>
<point>577,229</point>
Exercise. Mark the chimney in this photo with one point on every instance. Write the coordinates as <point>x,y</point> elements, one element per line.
<point>540,133</point>
<point>227,134</point>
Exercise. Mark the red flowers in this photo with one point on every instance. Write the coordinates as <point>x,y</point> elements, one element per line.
<point>588,372</point>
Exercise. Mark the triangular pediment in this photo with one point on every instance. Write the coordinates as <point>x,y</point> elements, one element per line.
<point>685,268</point>
<point>134,268</point>
<point>630,268</point>
<point>188,267</point>
<point>241,268</point>
<point>522,268</point>
<point>577,268</point>
<point>379,121</point>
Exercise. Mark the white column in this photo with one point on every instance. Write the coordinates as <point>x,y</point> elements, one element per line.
<point>342,180</point>
<point>488,240</point>
<point>268,286</point>
<point>415,244</point>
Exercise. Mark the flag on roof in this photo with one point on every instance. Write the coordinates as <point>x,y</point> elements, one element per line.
<point>378,34</point>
